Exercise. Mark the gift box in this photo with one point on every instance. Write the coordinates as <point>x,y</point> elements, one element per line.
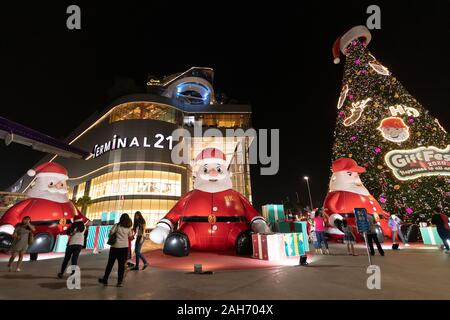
<point>294,244</point>
<point>293,227</point>
<point>97,237</point>
<point>268,246</point>
<point>110,217</point>
<point>273,212</point>
<point>430,236</point>
<point>61,243</point>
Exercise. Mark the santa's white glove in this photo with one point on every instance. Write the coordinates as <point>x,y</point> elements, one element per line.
<point>259,225</point>
<point>160,233</point>
<point>7,228</point>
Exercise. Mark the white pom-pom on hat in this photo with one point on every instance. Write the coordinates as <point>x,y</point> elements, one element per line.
<point>344,41</point>
<point>31,173</point>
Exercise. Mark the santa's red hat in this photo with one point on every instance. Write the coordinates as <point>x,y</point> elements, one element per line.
<point>211,155</point>
<point>341,43</point>
<point>49,169</point>
<point>346,164</point>
<point>393,122</point>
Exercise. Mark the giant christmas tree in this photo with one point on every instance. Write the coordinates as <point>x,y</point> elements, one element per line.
<point>404,149</point>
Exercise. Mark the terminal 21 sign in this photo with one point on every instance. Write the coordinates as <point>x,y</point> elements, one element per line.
<point>159,141</point>
<point>420,162</point>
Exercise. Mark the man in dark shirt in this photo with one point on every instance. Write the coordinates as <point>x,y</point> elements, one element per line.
<point>440,220</point>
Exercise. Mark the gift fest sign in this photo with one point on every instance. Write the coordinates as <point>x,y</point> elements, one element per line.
<point>420,162</point>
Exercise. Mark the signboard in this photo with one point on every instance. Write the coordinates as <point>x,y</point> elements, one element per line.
<point>362,222</point>
<point>416,163</point>
<point>159,141</point>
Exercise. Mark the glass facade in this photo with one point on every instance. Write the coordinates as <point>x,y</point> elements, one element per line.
<point>146,111</point>
<point>139,182</point>
<point>153,192</point>
<point>224,120</point>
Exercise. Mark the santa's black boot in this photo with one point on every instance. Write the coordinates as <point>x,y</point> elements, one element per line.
<point>244,245</point>
<point>177,245</point>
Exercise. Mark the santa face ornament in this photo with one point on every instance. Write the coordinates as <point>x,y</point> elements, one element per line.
<point>394,129</point>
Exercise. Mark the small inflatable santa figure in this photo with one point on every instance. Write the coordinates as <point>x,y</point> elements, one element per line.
<point>212,217</point>
<point>48,207</point>
<point>347,192</point>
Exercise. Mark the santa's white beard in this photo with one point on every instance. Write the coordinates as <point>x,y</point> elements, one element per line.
<point>53,195</point>
<point>340,181</point>
<point>212,186</point>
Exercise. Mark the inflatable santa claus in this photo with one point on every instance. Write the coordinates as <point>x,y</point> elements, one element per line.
<point>48,207</point>
<point>212,217</point>
<point>347,192</point>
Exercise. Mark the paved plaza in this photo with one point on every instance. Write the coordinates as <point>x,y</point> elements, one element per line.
<point>417,272</point>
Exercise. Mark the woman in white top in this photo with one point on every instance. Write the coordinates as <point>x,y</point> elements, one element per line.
<point>119,249</point>
<point>76,243</point>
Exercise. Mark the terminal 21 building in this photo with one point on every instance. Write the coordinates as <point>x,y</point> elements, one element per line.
<point>130,168</point>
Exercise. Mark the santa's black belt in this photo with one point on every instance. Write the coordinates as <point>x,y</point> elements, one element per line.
<point>217,219</point>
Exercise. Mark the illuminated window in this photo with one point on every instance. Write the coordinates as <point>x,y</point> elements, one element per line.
<point>146,111</point>
<point>227,120</point>
<point>80,190</point>
<point>140,182</point>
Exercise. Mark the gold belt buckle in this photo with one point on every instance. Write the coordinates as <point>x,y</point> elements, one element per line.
<point>62,222</point>
<point>212,219</point>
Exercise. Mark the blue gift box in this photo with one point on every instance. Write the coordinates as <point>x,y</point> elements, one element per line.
<point>97,237</point>
<point>110,217</point>
<point>61,243</point>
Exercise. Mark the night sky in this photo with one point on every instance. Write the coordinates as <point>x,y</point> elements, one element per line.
<point>275,56</point>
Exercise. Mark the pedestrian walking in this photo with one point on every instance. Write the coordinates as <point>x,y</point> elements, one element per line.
<point>22,238</point>
<point>440,220</point>
<point>75,244</point>
<point>373,237</point>
<point>118,239</point>
<point>138,231</point>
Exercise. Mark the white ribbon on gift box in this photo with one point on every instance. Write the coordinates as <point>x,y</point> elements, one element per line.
<point>260,246</point>
<point>430,233</point>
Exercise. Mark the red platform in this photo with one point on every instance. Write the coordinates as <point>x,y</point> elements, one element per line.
<point>213,261</point>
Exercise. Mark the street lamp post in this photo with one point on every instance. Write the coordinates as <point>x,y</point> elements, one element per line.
<point>309,192</point>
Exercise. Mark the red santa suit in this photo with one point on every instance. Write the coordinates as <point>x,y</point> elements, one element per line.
<point>48,206</point>
<point>213,215</point>
<point>212,221</point>
<point>346,193</point>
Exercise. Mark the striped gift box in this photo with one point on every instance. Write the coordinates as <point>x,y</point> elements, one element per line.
<point>273,212</point>
<point>430,236</point>
<point>97,237</point>
<point>293,227</point>
<point>268,247</point>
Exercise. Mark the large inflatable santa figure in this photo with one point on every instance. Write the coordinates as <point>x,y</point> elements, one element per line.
<point>48,207</point>
<point>212,217</point>
<point>347,192</point>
